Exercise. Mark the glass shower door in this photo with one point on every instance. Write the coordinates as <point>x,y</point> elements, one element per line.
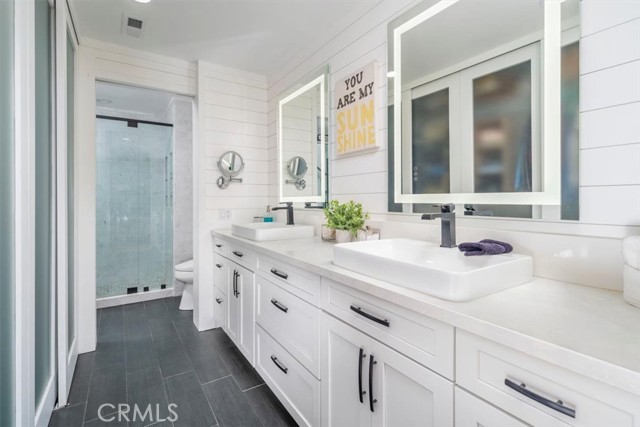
<point>134,218</point>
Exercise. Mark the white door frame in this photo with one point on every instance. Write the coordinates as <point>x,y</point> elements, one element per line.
<point>24,137</point>
<point>66,355</point>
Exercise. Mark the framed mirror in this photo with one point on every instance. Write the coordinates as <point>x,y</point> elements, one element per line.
<point>302,140</point>
<point>475,115</point>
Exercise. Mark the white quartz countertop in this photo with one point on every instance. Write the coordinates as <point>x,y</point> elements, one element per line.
<point>588,330</point>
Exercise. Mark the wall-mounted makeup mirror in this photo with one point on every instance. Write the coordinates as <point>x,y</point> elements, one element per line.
<point>483,101</point>
<point>302,141</point>
<point>297,169</point>
<point>230,166</point>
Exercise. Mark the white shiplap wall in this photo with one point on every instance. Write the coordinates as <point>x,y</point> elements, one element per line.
<point>610,112</point>
<point>232,116</point>
<point>610,146</point>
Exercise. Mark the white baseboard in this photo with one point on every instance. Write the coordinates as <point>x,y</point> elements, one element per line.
<point>133,298</point>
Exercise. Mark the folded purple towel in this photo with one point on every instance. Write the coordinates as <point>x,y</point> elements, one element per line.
<point>485,247</point>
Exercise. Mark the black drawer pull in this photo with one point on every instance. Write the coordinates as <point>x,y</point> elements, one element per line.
<point>371,399</point>
<point>279,273</point>
<point>361,392</point>
<point>218,245</point>
<point>218,300</point>
<point>361,312</point>
<point>279,305</point>
<point>279,364</point>
<point>555,405</point>
<point>219,265</point>
<point>238,254</point>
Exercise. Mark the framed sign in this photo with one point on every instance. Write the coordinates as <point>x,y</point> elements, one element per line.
<point>356,109</point>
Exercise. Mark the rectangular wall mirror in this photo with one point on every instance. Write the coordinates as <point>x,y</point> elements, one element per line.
<point>483,107</point>
<point>302,140</point>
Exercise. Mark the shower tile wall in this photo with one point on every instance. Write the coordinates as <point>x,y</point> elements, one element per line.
<point>134,207</point>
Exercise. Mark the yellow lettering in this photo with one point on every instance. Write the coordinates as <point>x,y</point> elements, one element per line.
<point>340,140</point>
<point>371,134</point>
<point>340,119</point>
<point>367,112</point>
<point>352,118</point>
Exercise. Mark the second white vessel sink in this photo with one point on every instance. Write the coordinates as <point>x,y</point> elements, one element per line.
<point>265,231</point>
<point>426,267</point>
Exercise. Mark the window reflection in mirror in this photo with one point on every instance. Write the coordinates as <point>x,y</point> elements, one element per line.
<point>476,126</point>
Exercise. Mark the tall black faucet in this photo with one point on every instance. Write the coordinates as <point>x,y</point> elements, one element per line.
<point>448,224</point>
<point>289,209</point>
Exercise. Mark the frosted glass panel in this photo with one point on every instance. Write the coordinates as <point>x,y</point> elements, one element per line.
<point>134,207</point>
<point>430,143</point>
<point>7,171</point>
<point>502,130</point>
<point>70,185</point>
<point>44,201</point>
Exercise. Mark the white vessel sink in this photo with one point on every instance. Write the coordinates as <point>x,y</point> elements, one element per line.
<point>426,267</point>
<point>264,231</point>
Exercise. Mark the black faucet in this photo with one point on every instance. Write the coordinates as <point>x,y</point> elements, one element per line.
<point>448,222</point>
<point>289,209</point>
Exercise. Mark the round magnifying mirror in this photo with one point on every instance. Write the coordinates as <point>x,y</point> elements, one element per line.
<point>230,164</point>
<point>297,167</point>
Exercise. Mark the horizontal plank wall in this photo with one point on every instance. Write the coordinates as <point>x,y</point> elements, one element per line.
<point>610,112</point>
<point>610,146</point>
<point>107,62</point>
<point>232,116</point>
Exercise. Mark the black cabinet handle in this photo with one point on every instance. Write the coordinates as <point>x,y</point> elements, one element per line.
<point>218,300</point>
<point>219,265</point>
<point>361,392</point>
<point>279,364</point>
<point>371,399</point>
<point>238,254</point>
<point>235,284</point>
<point>279,273</point>
<point>279,305</point>
<point>555,405</point>
<point>361,312</point>
<point>218,245</point>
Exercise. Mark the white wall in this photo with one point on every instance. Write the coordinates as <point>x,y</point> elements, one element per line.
<point>588,252</point>
<point>232,116</point>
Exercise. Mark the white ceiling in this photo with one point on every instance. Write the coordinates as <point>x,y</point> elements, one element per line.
<point>261,36</point>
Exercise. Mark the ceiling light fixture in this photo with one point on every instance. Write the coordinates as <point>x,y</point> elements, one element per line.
<point>142,1</point>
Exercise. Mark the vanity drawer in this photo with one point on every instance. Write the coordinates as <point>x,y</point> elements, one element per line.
<point>538,392</point>
<point>474,412</point>
<point>220,246</point>
<point>243,256</point>
<point>220,307</point>
<point>293,322</point>
<point>295,387</point>
<point>297,281</point>
<point>220,264</point>
<point>425,340</point>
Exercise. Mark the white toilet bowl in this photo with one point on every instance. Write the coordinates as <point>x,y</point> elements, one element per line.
<point>184,274</point>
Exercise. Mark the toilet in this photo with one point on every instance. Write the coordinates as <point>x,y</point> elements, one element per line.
<point>184,274</point>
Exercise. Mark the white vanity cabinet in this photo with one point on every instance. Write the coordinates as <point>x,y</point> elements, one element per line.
<point>474,412</point>
<point>365,383</point>
<point>240,309</point>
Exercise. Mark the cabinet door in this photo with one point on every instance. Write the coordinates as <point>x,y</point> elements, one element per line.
<point>344,375</point>
<point>405,393</point>
<point>245,294</point>
<point>220,308</point>
<point>233,304</point>
<point>473,412</point>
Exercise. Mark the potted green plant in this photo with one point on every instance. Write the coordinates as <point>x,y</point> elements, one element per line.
<point>345,218</point>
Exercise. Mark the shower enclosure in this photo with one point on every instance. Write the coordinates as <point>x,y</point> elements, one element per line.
<point>134,206</point>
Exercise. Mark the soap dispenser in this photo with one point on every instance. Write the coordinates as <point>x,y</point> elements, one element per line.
<point>268,217</point>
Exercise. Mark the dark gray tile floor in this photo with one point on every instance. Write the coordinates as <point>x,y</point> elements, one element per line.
<point>151,353</point>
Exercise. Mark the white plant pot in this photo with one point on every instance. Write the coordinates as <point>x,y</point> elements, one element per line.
<point>631,278</point>
<point>343,236</point>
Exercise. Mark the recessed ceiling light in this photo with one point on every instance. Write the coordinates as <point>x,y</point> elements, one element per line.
<point>142,1</point>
